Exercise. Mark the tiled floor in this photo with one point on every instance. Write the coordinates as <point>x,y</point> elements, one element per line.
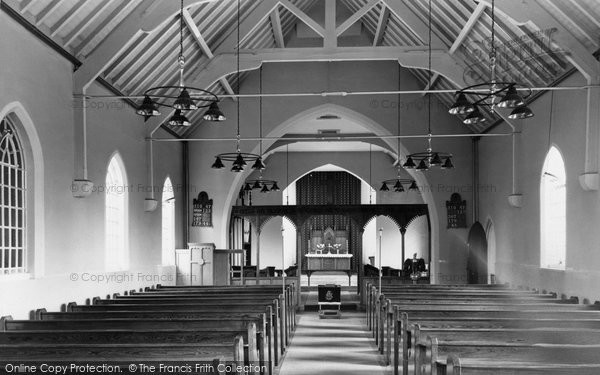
<point>332,347</point>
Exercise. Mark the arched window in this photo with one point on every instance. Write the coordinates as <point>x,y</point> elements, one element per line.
<point>168,224</point>
<point>553,203</point>
<point>12,202</point>
<point>117,256</point>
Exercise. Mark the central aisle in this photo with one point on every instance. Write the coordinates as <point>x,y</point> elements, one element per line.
<point>332,347</point>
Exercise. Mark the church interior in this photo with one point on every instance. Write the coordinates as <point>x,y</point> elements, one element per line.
<point>208,180</point>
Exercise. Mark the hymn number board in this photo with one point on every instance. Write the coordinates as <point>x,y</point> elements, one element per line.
<point>457,212</point>
<point>202,211</point>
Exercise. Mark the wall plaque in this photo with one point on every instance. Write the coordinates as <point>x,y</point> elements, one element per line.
<point>203,208</point>
<point>457,212</point>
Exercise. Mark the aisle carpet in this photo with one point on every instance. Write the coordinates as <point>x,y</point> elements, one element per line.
<point>332,347</point>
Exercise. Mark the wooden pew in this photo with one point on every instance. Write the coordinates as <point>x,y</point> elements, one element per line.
<point>502,358</point>
<point>379,311</point>
<point>286,313</point>
<point>269,344</point>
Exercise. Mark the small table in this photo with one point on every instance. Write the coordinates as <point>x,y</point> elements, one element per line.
<point>330,302</point>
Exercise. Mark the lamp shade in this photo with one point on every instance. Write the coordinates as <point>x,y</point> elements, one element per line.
<point>435,159</point>
<point>184,102</point>
<point>275,187</point>
<point>178,119</point>
<point>512,99</point>
<point>239,160</point>
<point>218,164</point>
<point>256,185</point>
<point>474,117</point>
<point>409,164</point>
<point>461,106</point>
<point>384,187</point>
<point>148,108</point>
<point>447,164</point>
<point>213,113</point>
<point>422,166</point>
<point>264,189</point>
<point>236,168</point>
<point>247,187</point>
<point>413,186</point>
<point>258,165</point>
<point>398,187</point>
<point>520,113</point>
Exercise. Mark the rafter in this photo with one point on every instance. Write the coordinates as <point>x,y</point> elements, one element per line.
<point>356,16</point>
<point>304,17</point>
<point>381,26</point>
<point>86,22</point>
<point>67,18</point>
<point>413,22</point>
<point>413,57</point>
<point>191,25</point>
<point>48,10</point>
<point>460,38</point>
<point>277,30</point>
<point>532,11</point>
<point>26,4</point>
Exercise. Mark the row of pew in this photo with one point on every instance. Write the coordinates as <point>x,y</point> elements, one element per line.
<point>482,329</point>
<point>246,327</point>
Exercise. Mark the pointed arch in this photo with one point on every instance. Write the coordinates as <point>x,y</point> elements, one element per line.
<point>116,215</point>
<point>490,232</point>
<point>168,223</point>
<point>33,159</point>
<point>553,211</point>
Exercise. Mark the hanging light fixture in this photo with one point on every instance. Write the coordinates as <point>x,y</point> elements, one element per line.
<point>260,183</point>
<point>493,94</point>
<point>399,182</point>
<point>185,98</point>
<point>423,161</point>
<point>239,159</point>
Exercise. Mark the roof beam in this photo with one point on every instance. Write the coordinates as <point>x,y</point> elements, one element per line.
<point>87,21</point>
<point>412,57</point>
<point>67,18</point>
<point>251,22</point>
<point>381,26</point>
<point>304,17</point>
<point>277,30</point>
<point>191,25</point>
<point>356,16</point>
<point>585,11</point>
<point>532,11</point>
<point>460,38</point>
<point>25,5</point>
<point>147,16</point>
<point>413,22</point>
<point>48,10</point>
<point>330,40</point>
<point>468,27</point>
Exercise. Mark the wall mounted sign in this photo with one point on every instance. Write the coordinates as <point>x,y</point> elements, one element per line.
<point>203,208</point>
<point>457,212</point>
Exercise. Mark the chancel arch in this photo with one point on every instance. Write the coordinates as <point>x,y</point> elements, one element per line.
<point>297,122</point>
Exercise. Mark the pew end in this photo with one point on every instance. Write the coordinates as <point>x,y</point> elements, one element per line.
<point>453,365</point>
<point>238,350</point>
<point>3,321</point>
<point>95,300</point>
<point>38,314</point>
<point>70,306</point>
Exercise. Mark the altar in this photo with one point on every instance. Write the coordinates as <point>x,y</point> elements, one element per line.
<point>328,251</point>
<point>328,262</point>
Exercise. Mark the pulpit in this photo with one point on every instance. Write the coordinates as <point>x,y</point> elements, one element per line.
<point>201,264</point>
